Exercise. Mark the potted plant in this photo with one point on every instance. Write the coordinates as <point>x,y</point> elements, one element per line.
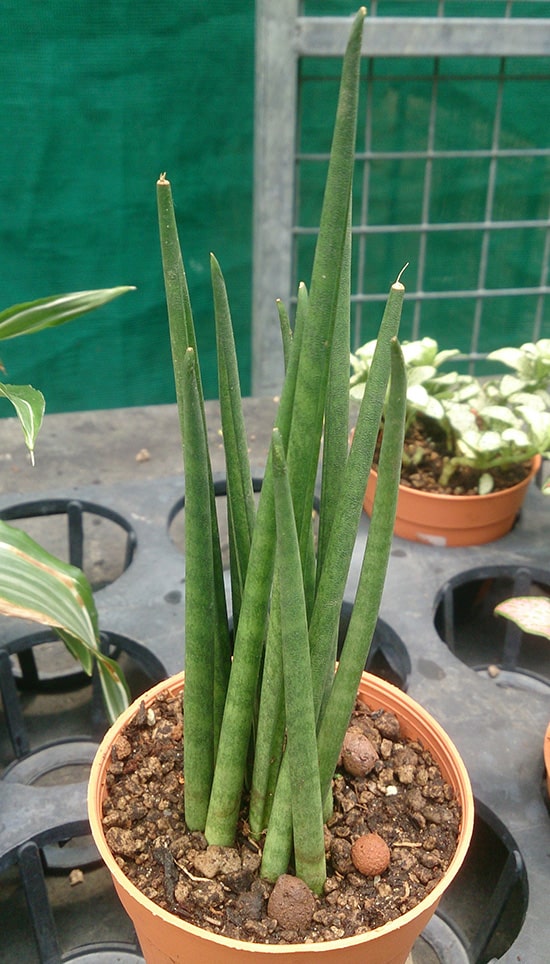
<point>472,445</point>
<point>35,585</point>
<point>265,710</point>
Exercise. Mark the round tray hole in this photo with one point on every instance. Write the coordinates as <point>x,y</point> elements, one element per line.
<point>176,518</point>
<point>41,663</point>
<point>438,944</point>
<point>90,536</point>
<point>486,904</point>
<point>49,695</point>
<point>59,763</point>
<point>465,622</point>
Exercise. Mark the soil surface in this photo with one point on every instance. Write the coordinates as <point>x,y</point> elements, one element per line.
<point>403,799</point>
<point>425,442</point>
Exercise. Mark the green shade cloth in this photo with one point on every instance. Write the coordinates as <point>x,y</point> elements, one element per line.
<point>97,99</point>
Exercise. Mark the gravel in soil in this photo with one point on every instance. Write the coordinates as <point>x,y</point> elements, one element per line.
<point>403,799</point>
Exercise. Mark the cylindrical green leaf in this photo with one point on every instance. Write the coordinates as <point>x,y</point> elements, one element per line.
<point>371,581</point>
<point>330,591</point>
<point>311,385</point>
<point>240,494</point>
<point>182,337</point>
<point>301,745</point>
<point>200,609</point>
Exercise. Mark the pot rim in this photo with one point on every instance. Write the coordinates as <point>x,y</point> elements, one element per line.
<point>397,700</point>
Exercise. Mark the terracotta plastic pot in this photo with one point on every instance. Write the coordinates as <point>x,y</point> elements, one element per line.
<point>165,939</point>
<point>454,520</point>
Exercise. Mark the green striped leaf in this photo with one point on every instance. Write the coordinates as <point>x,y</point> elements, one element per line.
<point>36,586</point>
<point>54,310</point>
<point>29,404</point>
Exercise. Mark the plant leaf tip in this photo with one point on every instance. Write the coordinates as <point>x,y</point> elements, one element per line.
<point>398,284</point>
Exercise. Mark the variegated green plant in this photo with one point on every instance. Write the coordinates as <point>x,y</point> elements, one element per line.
<point>532,362</point>
<point>34,585</point>
<point>33,316</point>
<point>488,423</point>
<point>530,613</point>
<point>272,715</point>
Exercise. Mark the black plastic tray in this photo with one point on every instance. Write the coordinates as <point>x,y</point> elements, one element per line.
<point>437,616</point>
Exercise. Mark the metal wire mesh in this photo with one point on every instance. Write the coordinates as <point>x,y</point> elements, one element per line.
<point>453,168</point>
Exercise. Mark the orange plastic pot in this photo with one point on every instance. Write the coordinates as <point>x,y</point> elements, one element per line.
<point>454,520</point>
<point>165,939</point>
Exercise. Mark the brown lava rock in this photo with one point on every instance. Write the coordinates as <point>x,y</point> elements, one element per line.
<point>291,903</point>
<point>403,799</point>
<point>358,755</point>
<point>370,854</point>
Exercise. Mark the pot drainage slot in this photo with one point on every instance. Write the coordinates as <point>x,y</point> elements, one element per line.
<point>64,762</point>
<point>92,537</point>
<point>28,858</point>
<point>488,644</point>
<point>39,664</point>
<point>482,913</point>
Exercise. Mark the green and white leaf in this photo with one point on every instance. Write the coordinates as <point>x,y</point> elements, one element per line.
<point>445,356</point>
<point>512,357</point>
<point>467,392</point>
<point>363,356</point>
<point>29,404</point>
<point>418,397</point>
<point>530,613</point>
<point>496,415</point>
<point>516,438</point>
<point>486,483</point>
<point>421,352</point>
<point>54,310</point>
<point>510,385</point>
<point>538,425</point>
<point>36,586</point>
<point>480,442</point>
<point>418,374</point>
<point>461,418</point>
<point>536,402</point>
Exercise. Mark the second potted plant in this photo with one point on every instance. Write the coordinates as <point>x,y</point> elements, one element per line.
<point>472,445</point>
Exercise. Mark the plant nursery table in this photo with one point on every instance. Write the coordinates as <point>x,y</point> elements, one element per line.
<point>107,492</point>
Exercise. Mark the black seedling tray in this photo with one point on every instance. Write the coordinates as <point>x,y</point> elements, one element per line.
<point>437,637</point>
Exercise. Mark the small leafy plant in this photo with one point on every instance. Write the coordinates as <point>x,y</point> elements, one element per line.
<point>35,585</point>
<point>487,424</point>
<point>269,714</point>
<point>530,613</point>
